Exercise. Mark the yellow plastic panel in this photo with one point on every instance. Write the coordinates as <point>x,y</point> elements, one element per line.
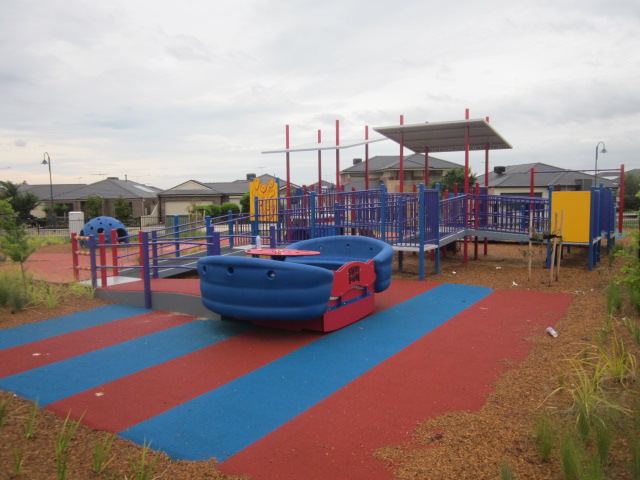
<point>577,208</point>
<point>269,191</point>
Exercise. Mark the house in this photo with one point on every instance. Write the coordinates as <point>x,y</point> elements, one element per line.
<point>386,169</point>
<point>43,192</point>
<point>516,180</point>
<point>142,198</point>
<point>180,199</point>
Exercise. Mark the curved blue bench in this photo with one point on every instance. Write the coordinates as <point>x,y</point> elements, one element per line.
<point>337,250</point>
<point>263,290</point>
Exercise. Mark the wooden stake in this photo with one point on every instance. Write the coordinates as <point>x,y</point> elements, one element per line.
<point>530,242</point>
<point>553,249</point>
<point>560,231</point>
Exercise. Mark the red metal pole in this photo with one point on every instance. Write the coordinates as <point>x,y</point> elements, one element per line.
<point>103,258</point>
<point>476,205</point>
<point>465,257</point>
<point>288,169</point>
<point>466,154</point>
<point>319,163</point>
<point>486,184</point>
<point>621,206</point>
<point>426,167</point>
<point>74,256</point>
<point>366,158</point>
<point>401,174</point>
<point>114,252</point>
<point>337,155</point>
<point>531,181</point>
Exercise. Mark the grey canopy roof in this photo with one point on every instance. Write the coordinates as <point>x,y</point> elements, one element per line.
<point>446,136</point>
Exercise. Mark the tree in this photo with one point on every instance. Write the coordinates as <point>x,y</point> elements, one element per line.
<point>631,191</point>
<point>225,207</point>
<point>210,209</point>
<point>244,203</point>
<point>455,176</point>
<point>94,207</point>
<point>122,209</point>
<point>15,243</point>
<point>21,203</point>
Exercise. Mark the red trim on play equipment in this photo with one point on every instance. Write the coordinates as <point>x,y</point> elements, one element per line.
<point>54,349</point>
<point>450,369</point>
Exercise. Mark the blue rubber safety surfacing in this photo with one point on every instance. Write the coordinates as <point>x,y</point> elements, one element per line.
<point>58,326</point>
<point>53,382</point>
<point>228,419</point>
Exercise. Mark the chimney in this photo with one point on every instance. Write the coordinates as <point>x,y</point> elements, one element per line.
<point>499,170</point>
<point>356,161</point>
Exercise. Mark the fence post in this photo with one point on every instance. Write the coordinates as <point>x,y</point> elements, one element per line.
<point>215,243</point>
<point>114,252</point>
<point>421,227</point>
<point>92,261</point>
<point>272,235</point>
<point>383,212</point>
<point>312,207</point>
<point>102,238</point>
<point>255,225</point>
<point>437,228</point>
<point>230,223</point>
<point>74,255</point>
<point>176,234</point>
<point>154,252</point>
<point>144,259</point>
<point>337,217</point>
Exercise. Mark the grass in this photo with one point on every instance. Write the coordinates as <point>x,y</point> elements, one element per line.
<point>569,456</point>
<point>4,405</point>
<point>544,437</point>
<point>18,461</point>
<point>614,298</point>
<point>82,290</point>
<point>505,471</point>
<point>633,325</point>
<point>68,430</point>
<point>143,468</point>
<point>37,293</point>
<point>32,421</point>
<point>101,453</point>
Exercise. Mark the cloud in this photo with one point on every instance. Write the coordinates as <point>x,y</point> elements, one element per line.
<point>199,90</point>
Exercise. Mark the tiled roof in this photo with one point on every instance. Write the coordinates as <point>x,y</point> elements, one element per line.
<point>519,176</point>
<point>111,188</point>
<point>392,162</point>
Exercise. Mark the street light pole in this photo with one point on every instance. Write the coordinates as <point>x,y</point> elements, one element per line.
<point>604,150</point>
<point>47,161</point>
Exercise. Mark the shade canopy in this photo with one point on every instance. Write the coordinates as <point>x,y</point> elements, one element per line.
<point>327,145</point>
<point>446,136</point>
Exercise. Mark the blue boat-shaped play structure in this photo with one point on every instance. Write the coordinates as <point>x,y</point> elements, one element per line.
<point>322,292</point>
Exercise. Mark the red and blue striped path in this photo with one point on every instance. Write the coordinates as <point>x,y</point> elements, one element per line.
<point>275,404</point>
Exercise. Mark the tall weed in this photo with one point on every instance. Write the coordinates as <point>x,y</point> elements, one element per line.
<point>544,437</point>
<point>66,434</point>
<point>613,298</point>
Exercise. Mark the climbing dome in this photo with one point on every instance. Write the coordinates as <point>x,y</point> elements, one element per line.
<point>105,225</point>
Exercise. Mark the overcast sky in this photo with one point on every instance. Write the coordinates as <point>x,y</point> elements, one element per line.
<point>164,92</point>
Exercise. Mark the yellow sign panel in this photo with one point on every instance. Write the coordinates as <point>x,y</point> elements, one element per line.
<point>268,209</point>
<point>577,215</point>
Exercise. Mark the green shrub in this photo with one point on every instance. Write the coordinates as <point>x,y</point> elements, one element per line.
<point>225,207</point>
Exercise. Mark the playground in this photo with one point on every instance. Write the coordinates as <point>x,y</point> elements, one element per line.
<point>438,377</point>
<point>517,362</point>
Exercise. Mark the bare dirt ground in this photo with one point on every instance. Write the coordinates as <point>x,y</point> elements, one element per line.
<point>459,445</point>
